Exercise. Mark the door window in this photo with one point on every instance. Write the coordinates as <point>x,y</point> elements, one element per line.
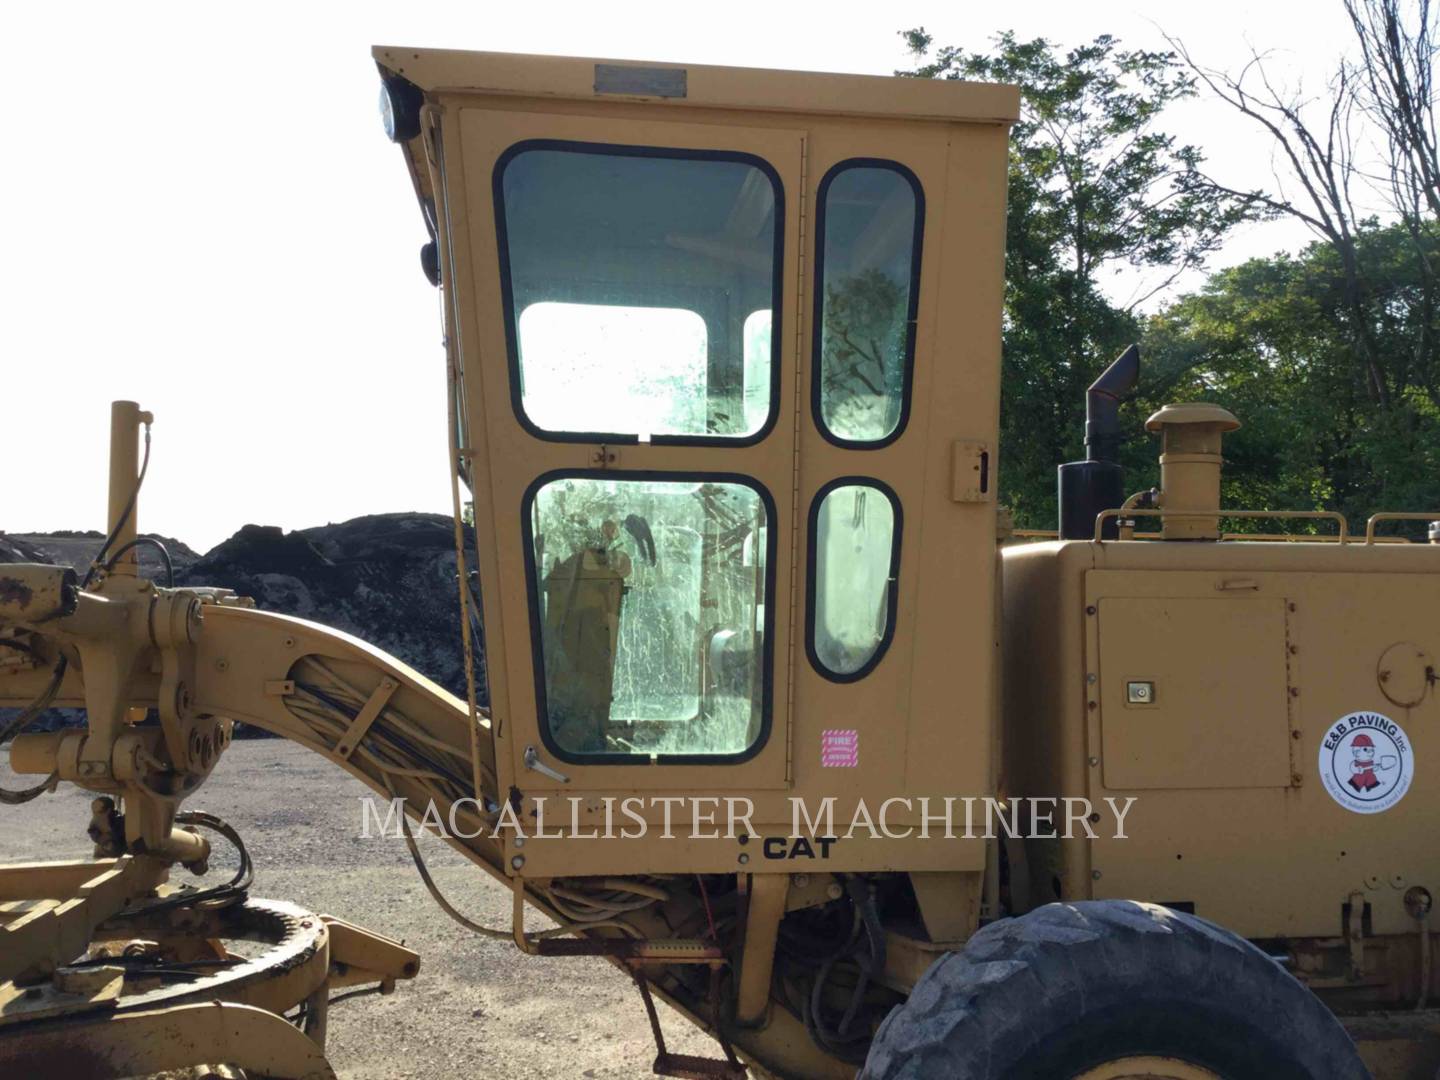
<point>652,615</point>
<point>855,559</point>
<point>629,274</point>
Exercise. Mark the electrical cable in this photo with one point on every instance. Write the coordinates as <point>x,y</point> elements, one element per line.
<point>16,643</point>
<point>860,955</point>
<point>27,715</point>
<point>124,514</point>
<point>149,541</point>
<point>489,931</point>
<point>219,896</point>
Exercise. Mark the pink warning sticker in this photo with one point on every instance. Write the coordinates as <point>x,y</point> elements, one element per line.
<point>839,748</point>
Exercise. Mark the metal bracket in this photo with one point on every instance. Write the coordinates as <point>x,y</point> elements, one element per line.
<point>368,712</point>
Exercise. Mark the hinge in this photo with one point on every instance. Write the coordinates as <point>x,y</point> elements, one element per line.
<point>797,408</point>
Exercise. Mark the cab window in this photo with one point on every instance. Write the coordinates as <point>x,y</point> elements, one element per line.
<point>630,278</point>
<point>651,610</point>
<point>578,365</point>
<point>870,222</point>
<point>854,564</point>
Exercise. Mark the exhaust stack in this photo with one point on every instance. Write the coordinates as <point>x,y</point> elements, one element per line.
<point>1098,483</point>
<point>1190,461</point>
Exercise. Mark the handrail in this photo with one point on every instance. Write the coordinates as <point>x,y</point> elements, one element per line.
<point>1298,538</point>
<point>1326,515</point>
<point>1397,515</point>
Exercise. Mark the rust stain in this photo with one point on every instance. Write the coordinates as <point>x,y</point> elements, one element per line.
<point>15,591</point>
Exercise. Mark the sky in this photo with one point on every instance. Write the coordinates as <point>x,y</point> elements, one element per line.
<point>199,211</point>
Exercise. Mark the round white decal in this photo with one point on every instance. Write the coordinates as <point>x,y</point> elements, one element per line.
<point>1366,762</point>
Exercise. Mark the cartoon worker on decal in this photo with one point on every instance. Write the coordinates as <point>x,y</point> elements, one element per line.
<point>1362,769</point>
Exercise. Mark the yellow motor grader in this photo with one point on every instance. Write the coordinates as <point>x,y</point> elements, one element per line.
<point>776,713</point>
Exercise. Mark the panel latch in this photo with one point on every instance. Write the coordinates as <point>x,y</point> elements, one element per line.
<point>970,471</point>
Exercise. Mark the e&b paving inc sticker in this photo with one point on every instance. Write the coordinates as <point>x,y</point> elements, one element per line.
<point>1366,762</point>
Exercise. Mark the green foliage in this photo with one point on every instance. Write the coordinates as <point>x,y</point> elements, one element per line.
<point>1094,185</point>
<point>1272,340</point>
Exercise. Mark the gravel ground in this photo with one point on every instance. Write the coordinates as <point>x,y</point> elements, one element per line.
<point>478,1007</point>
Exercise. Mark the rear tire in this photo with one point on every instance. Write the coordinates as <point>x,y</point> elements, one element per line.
<point>1073,987</point>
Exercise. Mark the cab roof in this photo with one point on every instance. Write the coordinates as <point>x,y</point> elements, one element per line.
<point>681,85</point>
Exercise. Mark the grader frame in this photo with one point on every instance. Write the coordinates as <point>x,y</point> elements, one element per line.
<point>778,232</point>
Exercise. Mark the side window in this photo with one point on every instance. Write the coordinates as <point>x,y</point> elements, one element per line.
<point>628,275</point>
<point>854,566</point>
<point>757,352</point>
<point>651,609</point>
<point>867,266</point>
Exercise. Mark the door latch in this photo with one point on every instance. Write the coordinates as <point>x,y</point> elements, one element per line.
<point>532,761</point>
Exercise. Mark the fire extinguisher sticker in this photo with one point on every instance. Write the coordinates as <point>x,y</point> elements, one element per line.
<point>1366,762</point>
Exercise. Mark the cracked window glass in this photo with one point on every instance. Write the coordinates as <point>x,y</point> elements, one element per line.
<point>651,598</point>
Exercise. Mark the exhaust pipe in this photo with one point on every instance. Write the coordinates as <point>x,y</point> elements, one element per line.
<point>1098,483</point>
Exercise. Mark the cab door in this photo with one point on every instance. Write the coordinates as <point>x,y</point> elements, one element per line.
<point>630,369</point>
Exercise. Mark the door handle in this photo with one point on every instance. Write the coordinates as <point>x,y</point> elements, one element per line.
<point>532,761</point>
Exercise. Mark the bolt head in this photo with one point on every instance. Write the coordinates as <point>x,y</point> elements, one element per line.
<point>517,862</point>
<point>744,858</point>
<point>1094,875</point>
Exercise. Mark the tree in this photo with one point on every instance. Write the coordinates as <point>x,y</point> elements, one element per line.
<point>1272,339</point>
<point>1399,43</point>
<point>1095,184</point>
<point>1328,167</point>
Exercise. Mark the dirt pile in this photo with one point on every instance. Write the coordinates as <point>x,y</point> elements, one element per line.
<point>388,579</point>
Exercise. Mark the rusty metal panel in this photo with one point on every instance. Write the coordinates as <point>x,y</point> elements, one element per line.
<point>665,82</point>
<point>1193,692</point>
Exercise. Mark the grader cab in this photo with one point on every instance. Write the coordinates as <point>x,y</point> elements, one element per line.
<point>773,712</point>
